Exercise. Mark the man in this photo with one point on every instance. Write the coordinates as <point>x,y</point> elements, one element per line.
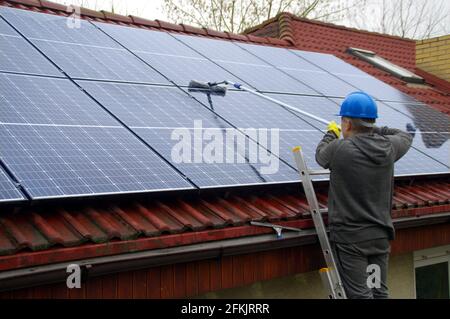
<point>360,193</point>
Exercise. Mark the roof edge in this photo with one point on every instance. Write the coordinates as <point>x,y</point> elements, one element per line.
<point>138,21</point>
<point>100,266</point>
<point>436,81</point>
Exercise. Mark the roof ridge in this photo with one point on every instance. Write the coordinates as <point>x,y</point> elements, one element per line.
<point>338,26</point>
<point>286,31</point>
<point>138,21</point>
<point>287,16</point>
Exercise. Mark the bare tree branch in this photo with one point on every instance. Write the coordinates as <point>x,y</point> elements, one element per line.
<point>237,18</point>
<point>417,19</point>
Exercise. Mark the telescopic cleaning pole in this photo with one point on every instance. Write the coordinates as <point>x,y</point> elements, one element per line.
<point>215,88</point>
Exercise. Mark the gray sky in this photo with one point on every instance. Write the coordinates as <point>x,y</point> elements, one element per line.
<point>152,9</point>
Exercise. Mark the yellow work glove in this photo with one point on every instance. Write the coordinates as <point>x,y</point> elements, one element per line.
<point>335,128</point>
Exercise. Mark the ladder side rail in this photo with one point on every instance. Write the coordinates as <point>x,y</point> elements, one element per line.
<point>338,290</point>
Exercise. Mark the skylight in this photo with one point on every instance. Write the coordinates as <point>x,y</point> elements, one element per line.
<point>386,65</point>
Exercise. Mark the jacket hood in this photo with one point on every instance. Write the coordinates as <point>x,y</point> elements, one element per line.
<point>376,147</point>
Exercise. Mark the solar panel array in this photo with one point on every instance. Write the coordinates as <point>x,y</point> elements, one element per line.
<point>96,108</point>
<point>59,142</point>
<point>155,112</point>
<point>81,52</point>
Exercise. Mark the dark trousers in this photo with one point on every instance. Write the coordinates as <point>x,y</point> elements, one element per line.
<point>353,260</point>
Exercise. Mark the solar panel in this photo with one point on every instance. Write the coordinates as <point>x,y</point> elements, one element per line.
<point>245,66</point>
<point>6,29</point>
<point>39,100</point>
<point>424,117</point>
<point>300,69</point>
<point>82,52</point>
<point>63,161</point>
<point>168,55</point>
<point>8,191</point>
<point>59,143</point>
<point>329,62</point>
<point>17,55</point>
<point>219,50</point>
<point>155,113</point>
<point>148,41</point>
<point>427,140</point>
<point>417,161</point>
<point>245,110</point>
<point>53,27</point>
<point>237,172</point>
<point>376,88</point>
<point>420,116</point>
<point>436,145</point>
<point>354,76</point>
<point>151,106</point>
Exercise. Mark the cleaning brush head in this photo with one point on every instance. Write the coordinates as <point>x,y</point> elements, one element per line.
<point>207,88</point>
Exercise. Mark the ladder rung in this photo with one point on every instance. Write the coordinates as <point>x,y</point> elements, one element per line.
<point>319,172</point>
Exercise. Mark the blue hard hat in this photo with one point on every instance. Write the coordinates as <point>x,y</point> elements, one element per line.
<point>359,105</point>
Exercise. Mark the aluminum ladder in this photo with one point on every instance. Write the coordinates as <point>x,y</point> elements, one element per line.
<point>329,275</point>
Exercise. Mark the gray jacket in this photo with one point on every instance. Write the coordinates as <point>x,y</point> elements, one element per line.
<point>361,182</point>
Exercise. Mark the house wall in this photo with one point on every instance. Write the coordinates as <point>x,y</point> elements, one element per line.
<point>309,285</point>
<point>433,56</point>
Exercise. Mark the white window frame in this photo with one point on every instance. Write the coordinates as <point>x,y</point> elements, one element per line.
<point>386,65</point>
<point>432,256</point>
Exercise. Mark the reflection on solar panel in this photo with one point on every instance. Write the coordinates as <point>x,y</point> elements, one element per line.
<point>427,123</point>
<point>17,55</point>
<point>301,70</point>
<point>154,113</point>
<point>244,109</point>
<point>425,118</point>
<point>246,66</point>
<point>82,52</point>
<point>8,191</point>
<point>354,76</point>
<point>58,142</point>
<point>168,55</point>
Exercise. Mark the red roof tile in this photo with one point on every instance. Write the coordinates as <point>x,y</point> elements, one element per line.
<point>92,13</point>
<point>144,22</point>
<point>54,230</point>
<point>116,17</point>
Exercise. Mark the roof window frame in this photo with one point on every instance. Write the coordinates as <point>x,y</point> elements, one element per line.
<point>386,65</point>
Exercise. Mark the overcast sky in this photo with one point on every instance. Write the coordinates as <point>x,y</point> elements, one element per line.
<point>152,9</point>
